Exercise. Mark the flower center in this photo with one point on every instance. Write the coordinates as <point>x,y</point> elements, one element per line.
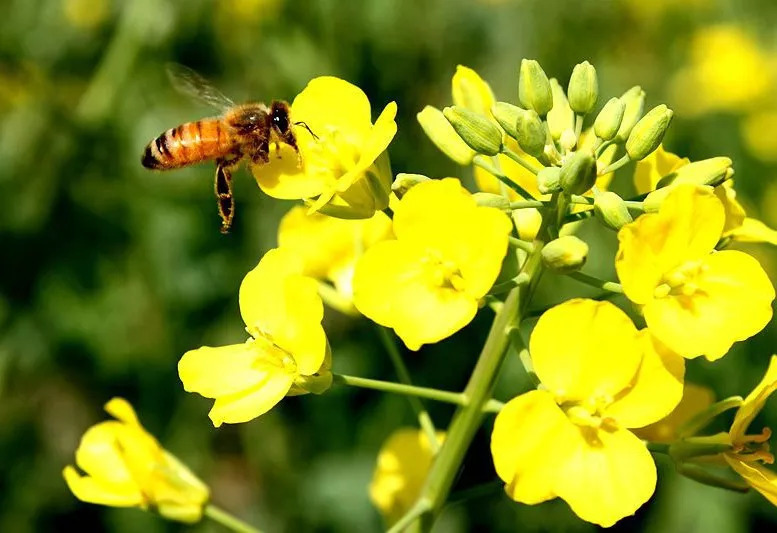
<point>442,273</point>
<point>590,413</point>
<point>754,447</point>
<point>682,280</point>
<point>332,154</point>
<point>272,353</point>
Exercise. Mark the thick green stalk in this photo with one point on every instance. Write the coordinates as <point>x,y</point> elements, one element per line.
<point>228,521</point>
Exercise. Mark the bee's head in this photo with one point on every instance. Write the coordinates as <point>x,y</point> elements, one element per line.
<point>279,113</point>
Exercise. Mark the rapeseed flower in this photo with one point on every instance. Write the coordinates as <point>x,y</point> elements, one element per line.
<point>345,171</point>
<point>287,353</point>
<point>570,439</point>
<point>448,251</point>
<point>125,466</point>
<point>697,301</point>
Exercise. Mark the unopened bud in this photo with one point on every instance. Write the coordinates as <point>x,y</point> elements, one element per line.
<point>442,134</point>
<point>578,173</point>
<point>611,210</point>
<point>549,180</point>
<point>648,132</point>
<point>534,88</point>
<point>507,117</point>
<point>560,117</point>
<point>404,182</point>
<point>531,133</point>
<point>634,100</point>
<point>479,132</point>
<point>707,172</point>
<point>583,88</point>
<point>565,254</point>
<point>487,199</point>
<point>609,119</point>
<point>568,140</point>
<point>528,223</point>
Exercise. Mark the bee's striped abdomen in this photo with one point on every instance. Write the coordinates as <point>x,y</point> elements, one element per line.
<point>188,144</point>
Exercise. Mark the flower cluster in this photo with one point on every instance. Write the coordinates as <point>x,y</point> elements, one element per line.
<point>423,256</point>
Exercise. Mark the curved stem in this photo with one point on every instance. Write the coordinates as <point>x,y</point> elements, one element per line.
<point>520,160</point>
<point>228,521</point>
<point>623,161</point>
<point>456,398</point>
<point>424,420</point>
<point>491,169</point>
<point>609,286</point>
<point>521,245</point>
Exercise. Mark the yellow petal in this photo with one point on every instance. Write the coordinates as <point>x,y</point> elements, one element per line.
<point>695,399</point>
<point>757,476</point>
<point>471,91</point>
<point>248,404</point>
<point>528,446</point>
<point>103,492</point>
<point>214,372</point>
<point>328,102</point>
<point>686,228</point>
<point>655,166</point>
<point>284,178</point>
<point>99,456</point>
<point>753,230</point>
<point>585,349</point>
<point>657,387</point>
<point>393,287</point>
<point>754,402</point>
<point>733,304</point>
<point>285,307</point>
<point>606,475</point>
<point>735,213</point>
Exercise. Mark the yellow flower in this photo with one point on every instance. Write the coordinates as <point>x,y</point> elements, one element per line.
<point>571,439</point>
<point>758,133</point>
<point>126,467</point>
<point>695,300</point>
<point>345,170</point>
<point>695,399</point>
<point>655,166</point>
<point>329,247</point>
<point>751,451</point>
<point>471,91</point>
<point>403,462</point>
<point>727,72</point>
<point>286,354</point>
<point>426,284</point>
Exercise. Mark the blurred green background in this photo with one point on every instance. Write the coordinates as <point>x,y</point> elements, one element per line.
<point>109,272</point>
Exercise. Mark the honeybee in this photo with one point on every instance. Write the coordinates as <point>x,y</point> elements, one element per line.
<point>241,132</point>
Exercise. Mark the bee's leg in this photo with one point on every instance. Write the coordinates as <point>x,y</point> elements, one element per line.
<point>277,149</point>
<point>291,140</point>
<point>260,152</point>
<point>223,190</point>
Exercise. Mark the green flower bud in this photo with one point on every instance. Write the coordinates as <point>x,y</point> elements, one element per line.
<point>609,119</point>
<point>560,117</point>
<point>487,199</point>
<point>568,140</point>
<point>531,133</point>
<point>507,116</point>
<point>534,88</point>
<point>634,100</point>
<point>578,173</point>
<point>549,180</point>
<point>442,134</point>
<point>405,182</point>
<point>479,132</point>
<point>611,210</point>
<point>583,90</point>
<point>565,254</point>
<point>648,133</point>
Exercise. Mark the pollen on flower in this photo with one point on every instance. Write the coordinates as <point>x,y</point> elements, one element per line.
<point>443,273</point>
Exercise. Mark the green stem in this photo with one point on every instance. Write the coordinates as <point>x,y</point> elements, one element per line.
<point>706,477</point>
<point>493,406</point>
<point>521,245</point>
<point>525,204</point>
<point>700,420</point>
<point>424,420</point>
<point>520,160</point>
<point>456,398</point>
<point>610,286</point>
<point>658,447</point>
<point>228,521</point>
<point>506,286</point>
<point>635,205</point>
<point>584,200</point>
<point>602,147</point>
<point>420,508</point>
<point>623,161</point>
<point>491,169</point>
<point>578,127</point>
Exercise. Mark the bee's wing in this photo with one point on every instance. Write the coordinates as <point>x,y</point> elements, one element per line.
<point>188,82</point>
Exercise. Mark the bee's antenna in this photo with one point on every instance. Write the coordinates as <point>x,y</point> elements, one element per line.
<point>300,123</point>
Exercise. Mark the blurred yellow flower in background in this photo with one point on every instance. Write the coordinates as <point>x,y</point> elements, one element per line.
<point>758,134</point>
<point>571,439</point>
<point>287,353</point>
<point>345,170</point>
<point>727,71</point>
<point>329,247</point>
<point>448,251</point>
<point>125,466</point>
<point>403,462</point>
<point>695,300</point>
